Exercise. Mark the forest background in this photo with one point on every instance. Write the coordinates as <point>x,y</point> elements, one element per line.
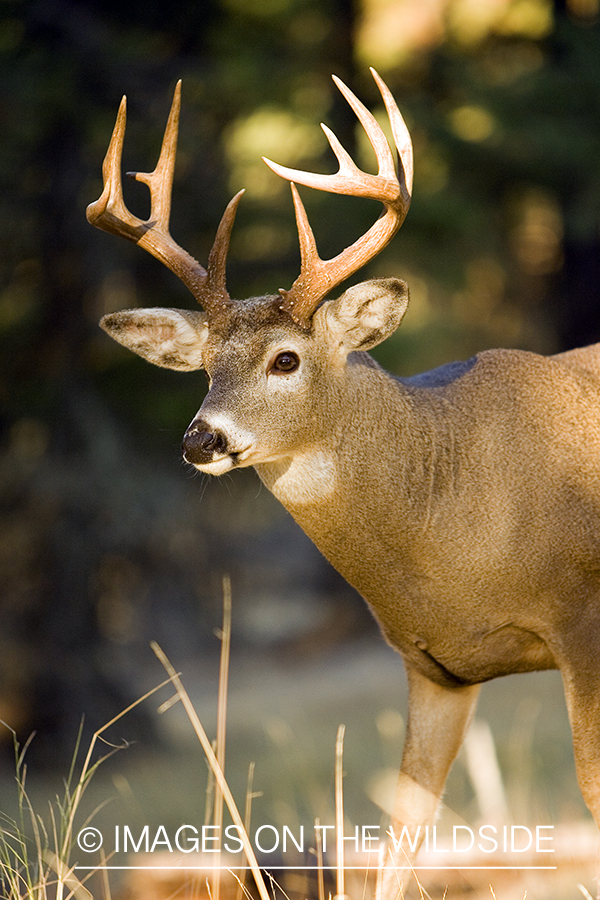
<point>106,541</point>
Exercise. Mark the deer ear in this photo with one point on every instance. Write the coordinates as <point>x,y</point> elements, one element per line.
<point>367,313</point>
<point>171,338</point>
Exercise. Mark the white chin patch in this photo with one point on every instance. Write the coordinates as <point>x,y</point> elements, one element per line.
<point>216,466</point>
<point>310,477</point>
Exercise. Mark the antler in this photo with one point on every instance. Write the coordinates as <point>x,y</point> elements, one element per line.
<point>110,214</point>
<point>318,277</point>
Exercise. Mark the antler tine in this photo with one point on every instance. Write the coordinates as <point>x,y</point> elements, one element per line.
<point>317,277</point>
<point>217,258</point>
<point>160,181</point>
<point>401,136</point>
<point>110,213</point>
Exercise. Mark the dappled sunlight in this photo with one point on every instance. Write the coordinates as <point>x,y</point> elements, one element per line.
<point>537,234</point>
<point>506,63</point>
<point>391,31</point>
<point>527,18</point>
<point>472,123</point>
<point>265,240</point>
<point>276,133</point>
<point>483,300</point>
<point>433,165</point>
<point>471,21</point>
<point>484,290</point>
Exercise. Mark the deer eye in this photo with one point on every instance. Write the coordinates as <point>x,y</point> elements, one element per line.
<point>284,363</point>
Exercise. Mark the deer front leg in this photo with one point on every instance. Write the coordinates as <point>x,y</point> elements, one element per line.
<point>438,718</point>
<point>582,691</point>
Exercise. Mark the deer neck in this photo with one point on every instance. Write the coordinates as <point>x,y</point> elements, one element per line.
<point>331,486</point>
<point>373,499</point>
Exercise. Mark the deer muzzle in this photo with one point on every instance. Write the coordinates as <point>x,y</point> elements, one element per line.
<point>200,443</point>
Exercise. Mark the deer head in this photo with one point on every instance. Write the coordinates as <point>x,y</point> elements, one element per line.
<point>274,363</point>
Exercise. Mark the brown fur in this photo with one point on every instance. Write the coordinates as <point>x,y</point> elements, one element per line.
<point>464,505</point>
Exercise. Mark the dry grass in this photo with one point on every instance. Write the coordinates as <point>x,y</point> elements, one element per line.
<point>36,852</point>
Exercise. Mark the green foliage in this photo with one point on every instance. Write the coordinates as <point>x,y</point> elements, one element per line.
<point>495,121</point>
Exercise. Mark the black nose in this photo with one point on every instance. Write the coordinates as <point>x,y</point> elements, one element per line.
<point>200,443</point>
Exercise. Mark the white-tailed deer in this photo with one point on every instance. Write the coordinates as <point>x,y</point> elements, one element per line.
<point>463,504</point>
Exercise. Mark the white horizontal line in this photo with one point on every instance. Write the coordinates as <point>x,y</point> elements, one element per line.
<point>268,868</point>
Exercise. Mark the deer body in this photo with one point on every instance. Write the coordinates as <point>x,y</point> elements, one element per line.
<point>458,571</point>
<point>427,495</point>
<point>463,504</point>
